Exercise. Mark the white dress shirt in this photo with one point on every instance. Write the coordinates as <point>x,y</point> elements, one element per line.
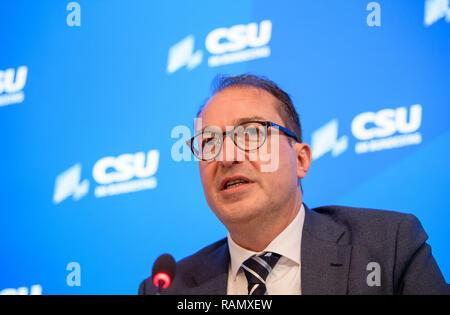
<point>285,276</point>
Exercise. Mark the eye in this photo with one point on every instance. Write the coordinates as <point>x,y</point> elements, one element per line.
<point>209,140</point>
<point>253,131</point>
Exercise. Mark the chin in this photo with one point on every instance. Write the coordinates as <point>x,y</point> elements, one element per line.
<point>237,213</point>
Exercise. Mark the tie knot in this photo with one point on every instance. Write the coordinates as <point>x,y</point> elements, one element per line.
<point>258,267</point>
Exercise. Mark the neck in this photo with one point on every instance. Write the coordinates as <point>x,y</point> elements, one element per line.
<point>257,234</point>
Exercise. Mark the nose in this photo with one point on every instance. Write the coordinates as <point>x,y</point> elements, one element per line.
<point>230,153</point>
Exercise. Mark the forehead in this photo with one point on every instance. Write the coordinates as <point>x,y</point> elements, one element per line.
<point>234,104</point>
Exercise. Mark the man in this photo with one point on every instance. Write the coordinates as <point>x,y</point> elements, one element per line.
<point>251,160</point>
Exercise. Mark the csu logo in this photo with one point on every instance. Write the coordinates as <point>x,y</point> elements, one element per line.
<point>12,83</point>
<point>112,169</point>
<point>375,131</point>
<point>238,37</point>
<point>386,122</point>
<point>125,173</point>
<point>436,10</point>
<point>34,290</point>
<point>325,139</point>
<point>68,184</point>
<point>387,129</point>
<point>182,54</point>
<point>226,45</point>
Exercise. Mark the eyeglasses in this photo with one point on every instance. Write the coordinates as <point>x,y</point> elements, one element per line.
<point>247,136</point>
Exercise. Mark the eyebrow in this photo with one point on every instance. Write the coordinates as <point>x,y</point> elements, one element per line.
<point>241,120</point>
<point>244,119</point>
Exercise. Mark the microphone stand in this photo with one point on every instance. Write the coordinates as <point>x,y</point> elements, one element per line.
<point>160,287</point>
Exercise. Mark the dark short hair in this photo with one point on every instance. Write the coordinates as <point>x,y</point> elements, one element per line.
<point>286,108</point>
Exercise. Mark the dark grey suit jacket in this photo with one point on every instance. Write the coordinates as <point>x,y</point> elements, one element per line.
<point>338,246</point>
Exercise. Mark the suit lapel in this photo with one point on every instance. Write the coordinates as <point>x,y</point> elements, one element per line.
<point>211,276</point>
<point>325,260</point>
<point>325,255</point>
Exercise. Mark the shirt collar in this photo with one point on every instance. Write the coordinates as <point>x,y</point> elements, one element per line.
<point>287,244</point>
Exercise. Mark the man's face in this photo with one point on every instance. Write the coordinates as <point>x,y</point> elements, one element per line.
<point>267,193</point>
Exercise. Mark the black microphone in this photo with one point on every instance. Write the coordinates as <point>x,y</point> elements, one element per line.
<point>163,272</point>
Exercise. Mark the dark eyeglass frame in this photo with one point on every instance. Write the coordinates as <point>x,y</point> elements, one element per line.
<point>266,124</point>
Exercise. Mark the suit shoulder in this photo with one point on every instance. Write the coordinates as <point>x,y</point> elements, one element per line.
<point>365,224</point>
<point>343,214</point>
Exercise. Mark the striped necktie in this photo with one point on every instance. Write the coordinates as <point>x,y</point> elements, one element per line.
<point>256,269</point>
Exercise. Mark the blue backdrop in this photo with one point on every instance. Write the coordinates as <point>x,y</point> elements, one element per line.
<point>97,96</point>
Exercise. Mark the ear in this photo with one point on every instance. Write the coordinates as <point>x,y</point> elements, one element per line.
<point>304,157</point>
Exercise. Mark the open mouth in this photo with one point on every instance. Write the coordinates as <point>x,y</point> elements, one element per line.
<point>234,183</point>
